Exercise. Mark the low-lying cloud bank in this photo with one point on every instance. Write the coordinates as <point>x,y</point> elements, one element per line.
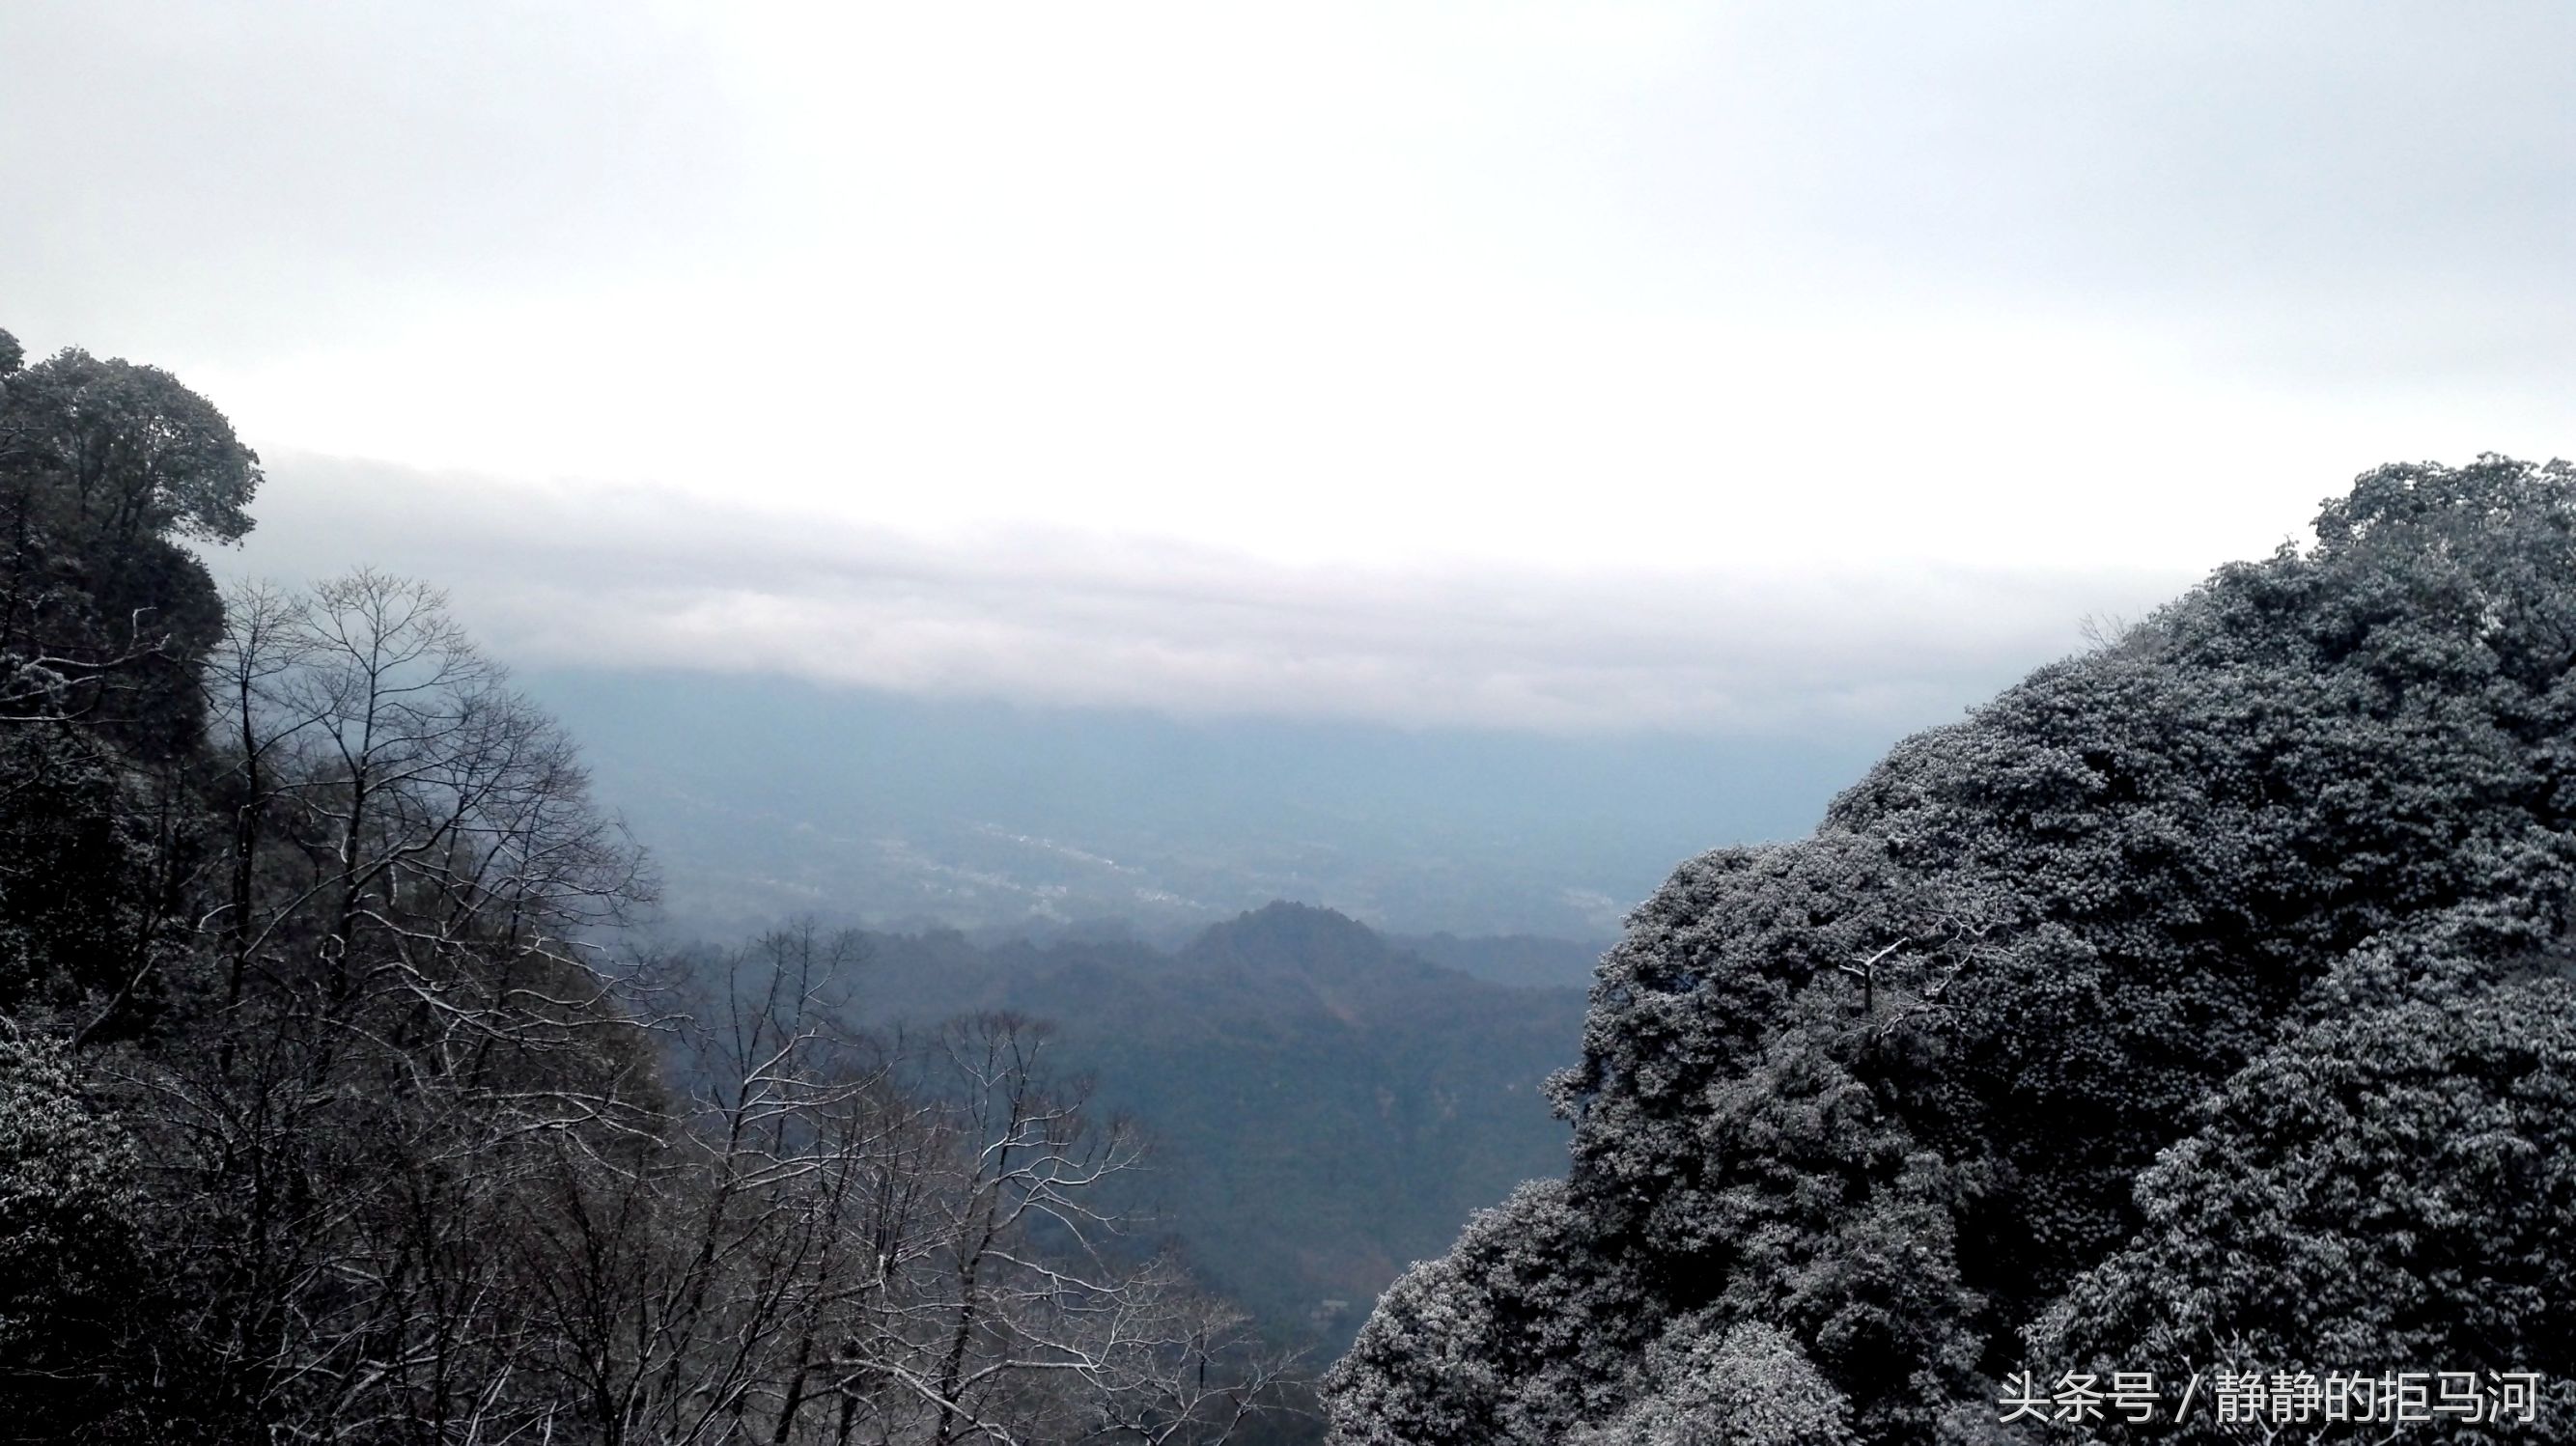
<point>553,574</point>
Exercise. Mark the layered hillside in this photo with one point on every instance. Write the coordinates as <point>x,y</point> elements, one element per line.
<point>1325,1107</point>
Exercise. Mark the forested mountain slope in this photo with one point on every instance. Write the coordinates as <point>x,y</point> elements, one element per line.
<point>2198,1004</point>
<point>1324,1108</point>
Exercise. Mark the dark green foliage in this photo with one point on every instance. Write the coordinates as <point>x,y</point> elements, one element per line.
<point>1891,1088</point>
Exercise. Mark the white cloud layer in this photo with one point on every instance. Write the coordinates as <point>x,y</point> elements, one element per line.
<point>644,578</point>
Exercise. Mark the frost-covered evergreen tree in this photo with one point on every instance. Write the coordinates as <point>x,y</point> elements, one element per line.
<point>1890,1089</point>
<point>2388,1188</point>
<point>1751,1386</point>
<point>76,1291</point>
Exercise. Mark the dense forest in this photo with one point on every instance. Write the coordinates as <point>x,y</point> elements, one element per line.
<point>2199,1009</point>
<point>336,1106</point>
<point>1326,1106</point>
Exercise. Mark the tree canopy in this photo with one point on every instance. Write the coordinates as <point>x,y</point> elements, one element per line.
<point>1911,1087</point>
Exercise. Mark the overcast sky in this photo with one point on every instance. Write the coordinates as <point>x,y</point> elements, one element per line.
<point>1557,366</point>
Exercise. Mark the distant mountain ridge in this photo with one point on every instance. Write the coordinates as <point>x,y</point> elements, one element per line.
<point>1328,1106</point>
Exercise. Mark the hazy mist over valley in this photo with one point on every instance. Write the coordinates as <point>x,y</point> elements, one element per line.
<point>859,806</point>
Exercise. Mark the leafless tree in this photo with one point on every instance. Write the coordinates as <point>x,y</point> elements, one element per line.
<point>453,1176</point>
